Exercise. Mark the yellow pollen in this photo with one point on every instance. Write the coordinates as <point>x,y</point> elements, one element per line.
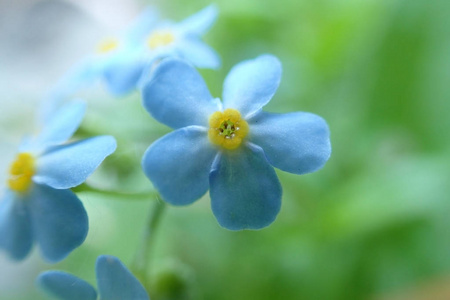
<point>107,46</point>
<point>227,129</point>
<point>20,172</point>
<point>160,38</point>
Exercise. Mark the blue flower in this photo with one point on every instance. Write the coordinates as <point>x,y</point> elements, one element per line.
<point>114,280</point>
<point>229,147</point>
<point>122,61</point>
<point>182,40</point>
<point>37,204</point>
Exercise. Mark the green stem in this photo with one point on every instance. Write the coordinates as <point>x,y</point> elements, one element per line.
<point>130,196</point>
<point>140,265</point>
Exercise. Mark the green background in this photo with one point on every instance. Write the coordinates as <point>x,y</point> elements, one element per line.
<point>372,224</point>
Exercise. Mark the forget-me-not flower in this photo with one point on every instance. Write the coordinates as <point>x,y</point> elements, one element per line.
<point>37,204</point>
<point>114,281</point>
<point>121,61</point>
<point>229,147</point>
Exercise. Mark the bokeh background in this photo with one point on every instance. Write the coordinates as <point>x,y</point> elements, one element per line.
<point>372,224</point>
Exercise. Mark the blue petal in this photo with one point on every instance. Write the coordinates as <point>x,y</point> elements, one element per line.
<point>66,286</point>
<point>177,95</point>
<point>179,163</point>
<point>62,124</point>
<point>199,54</point>
<point>115,281</point>
<point>142,25</point>
<point>121,77</point>
<point>60,222</point>
<point>79,76</point>
<point>251,84</point>
<point>66,166</point>
<point>15,226</point>
<point>199,23</point>
<point>296,142</point>
<point>245,191</point>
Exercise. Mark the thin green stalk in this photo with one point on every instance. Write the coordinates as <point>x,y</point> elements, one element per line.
<point>141,262</point>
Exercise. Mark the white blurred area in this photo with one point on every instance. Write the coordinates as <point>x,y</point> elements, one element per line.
<point>39,41</point>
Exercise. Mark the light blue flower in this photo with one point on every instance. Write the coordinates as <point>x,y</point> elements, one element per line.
<point>228,147</point>
<point>114,280</point>
<point>37,204</point>
<point>122,61</point>
<point>181,40</point>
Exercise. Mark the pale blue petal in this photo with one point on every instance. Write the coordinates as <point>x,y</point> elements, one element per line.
<point>142,25</point>
<point>65,286</point>
<point>121,77</point>
<point>200,22</point>
<point>116,282</point>
<point>244,189</point>
<point>78,77</point>
<point>62,124</point>
<point>199,54</point>
<point>66,166</point>
<point>16,236</point>
<point>178,164</point>
<point>60,221</point>
<point>146,76</point>
<point>251,84</point>
<point>177,95</point>
<point>296,142</point>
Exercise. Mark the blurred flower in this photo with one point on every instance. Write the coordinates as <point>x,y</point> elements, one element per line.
<point>114,280</point>
<point>37,204</point>
<point>182,40</point>
<point>123,60</point>
<point>229,147</point>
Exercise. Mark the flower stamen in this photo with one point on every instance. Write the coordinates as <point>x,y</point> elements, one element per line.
<point>227,129</point>
<point>159,39</point>
<point>21,172</point>
<point>107,46</point>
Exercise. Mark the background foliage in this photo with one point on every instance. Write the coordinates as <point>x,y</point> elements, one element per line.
<point>372,224</point>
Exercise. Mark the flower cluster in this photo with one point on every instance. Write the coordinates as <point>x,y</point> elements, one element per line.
<point>124,61</point>
<point>229,147</point>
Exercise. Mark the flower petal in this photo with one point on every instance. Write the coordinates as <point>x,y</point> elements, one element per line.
<point>69,165</point>
<point>199,54</point>
<point>296,142</point>
<point>66,286</point>
<point>79,77</point>
<point>141,25</point>
<point>199,23</point>
<point>121,77</point>
<point>177,95</point>
<point>115,281</point>
<point>245,191</point>
<point>15,226</point>
<point>178,164</point>
<point>59,220</point>
<point>62,124</point>
<point>251,84</point>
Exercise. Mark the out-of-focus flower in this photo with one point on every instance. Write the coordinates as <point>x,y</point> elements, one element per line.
<point>121,61</point>
<point>114,281</point>
<point>230,147</point>
<point>37,204</point>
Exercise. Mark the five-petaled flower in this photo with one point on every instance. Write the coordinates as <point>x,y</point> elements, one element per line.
<point>228,147</point>
<point>122,61</point>
<point>37,203</point>
<point>114,280</point>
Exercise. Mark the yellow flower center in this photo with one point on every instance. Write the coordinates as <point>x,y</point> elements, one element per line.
<point>160,38</point>
<point>227,129</point>
<point>20,172</point>
<point>107,46</point>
